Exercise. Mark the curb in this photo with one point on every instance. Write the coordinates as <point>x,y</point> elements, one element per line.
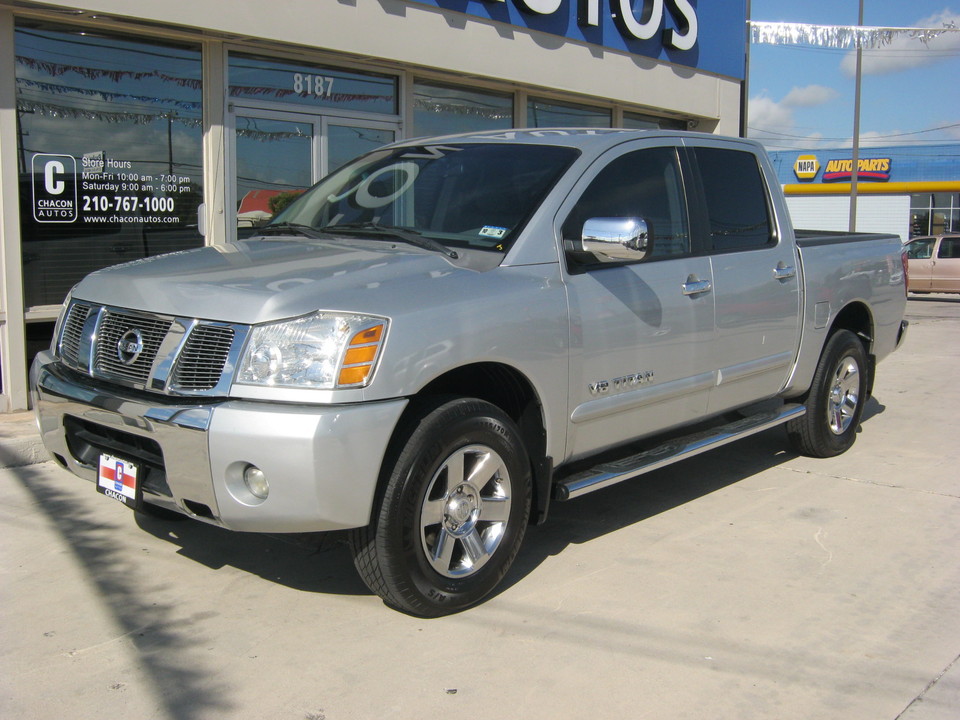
<point>20,443</point>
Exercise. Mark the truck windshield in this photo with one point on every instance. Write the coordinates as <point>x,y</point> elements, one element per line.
<point>459,195</point>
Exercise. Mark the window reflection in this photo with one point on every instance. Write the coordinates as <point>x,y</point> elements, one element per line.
<point>272,80</point>
<point>273,166</point>
<point>109,130</point>
<point>549,113</point>
<point>445,109</point>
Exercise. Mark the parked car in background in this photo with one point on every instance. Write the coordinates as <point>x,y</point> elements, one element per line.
<point>934,264</point>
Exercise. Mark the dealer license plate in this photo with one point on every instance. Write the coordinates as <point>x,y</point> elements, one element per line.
<point>117,478</point>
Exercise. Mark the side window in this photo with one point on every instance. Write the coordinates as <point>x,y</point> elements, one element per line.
<point>645,184</point>
<point>949,248</point>
<point>736,199</point>
<point>920,249</point>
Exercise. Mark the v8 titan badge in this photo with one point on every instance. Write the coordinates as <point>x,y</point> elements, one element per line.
<point>118,479</point>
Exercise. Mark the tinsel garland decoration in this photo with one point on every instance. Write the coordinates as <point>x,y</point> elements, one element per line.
<point>75,113</point>
<point>839,36</point>
<point>104,95</point>
<point>435,106</point>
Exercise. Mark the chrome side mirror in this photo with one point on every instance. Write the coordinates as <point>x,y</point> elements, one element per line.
<point>617,239</point>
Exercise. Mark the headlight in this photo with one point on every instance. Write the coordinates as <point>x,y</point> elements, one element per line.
<point>323,351</point>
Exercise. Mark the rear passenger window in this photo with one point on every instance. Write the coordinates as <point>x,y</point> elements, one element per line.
<point>736,199</point>
<point>949,248</point>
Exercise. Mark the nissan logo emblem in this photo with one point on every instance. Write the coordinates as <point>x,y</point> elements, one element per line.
<point>129,346</point>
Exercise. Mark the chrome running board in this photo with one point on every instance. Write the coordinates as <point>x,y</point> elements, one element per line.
<point>610,473</point>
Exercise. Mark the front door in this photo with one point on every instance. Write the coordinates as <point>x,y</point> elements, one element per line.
<point>639,332</point>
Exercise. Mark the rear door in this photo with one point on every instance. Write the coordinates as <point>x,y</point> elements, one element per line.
<point>945,275</point>
<point>756,275</point>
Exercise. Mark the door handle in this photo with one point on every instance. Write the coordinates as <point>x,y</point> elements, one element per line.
<point>784,272</point>
<point>695,287</point>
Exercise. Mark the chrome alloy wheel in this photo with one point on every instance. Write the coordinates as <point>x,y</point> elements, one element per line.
<point>844,395</point>
<point>465,511</point>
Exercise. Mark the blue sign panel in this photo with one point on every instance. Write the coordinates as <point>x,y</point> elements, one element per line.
<point>709,35</point>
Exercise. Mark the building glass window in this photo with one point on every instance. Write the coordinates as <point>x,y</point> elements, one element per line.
<point>314,86</point>
<point>443,109</point>
<point>550,113</point>
<point>934,214</point>
<point>638,121</point>
<point>109,152</point>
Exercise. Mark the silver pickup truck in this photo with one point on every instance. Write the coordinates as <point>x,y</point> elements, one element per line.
<point>445,335</point>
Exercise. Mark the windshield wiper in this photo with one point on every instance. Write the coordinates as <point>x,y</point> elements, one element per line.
<point>407,235</point>
<point>286,228</point>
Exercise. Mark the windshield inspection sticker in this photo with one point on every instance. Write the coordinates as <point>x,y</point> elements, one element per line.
<point>492,231</point>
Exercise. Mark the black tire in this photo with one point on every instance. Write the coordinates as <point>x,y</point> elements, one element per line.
<point>453,511</point>
<point>835,400</point>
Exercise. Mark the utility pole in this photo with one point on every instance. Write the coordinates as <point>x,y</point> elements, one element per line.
<point>855,174</point>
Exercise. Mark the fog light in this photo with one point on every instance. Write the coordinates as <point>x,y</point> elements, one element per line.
<point>256,482</point>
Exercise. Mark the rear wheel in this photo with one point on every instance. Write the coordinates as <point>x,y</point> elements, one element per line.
<point>835,400</point>
<point>453,513</point>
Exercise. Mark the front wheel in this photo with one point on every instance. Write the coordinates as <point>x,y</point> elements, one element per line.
<point>835,400</point>
<point>453,512</point>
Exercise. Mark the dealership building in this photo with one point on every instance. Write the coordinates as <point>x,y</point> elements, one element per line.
<point>132,129</point>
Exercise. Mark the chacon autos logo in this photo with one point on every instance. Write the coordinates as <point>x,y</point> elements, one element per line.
<point>54,188</point>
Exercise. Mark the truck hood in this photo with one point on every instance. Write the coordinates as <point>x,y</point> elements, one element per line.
<point>257,281</point>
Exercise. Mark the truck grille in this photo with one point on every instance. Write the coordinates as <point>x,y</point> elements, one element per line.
<point>116,326</point>
<point>203,357</point>
<point>73,332</point>
<point>157,353</point>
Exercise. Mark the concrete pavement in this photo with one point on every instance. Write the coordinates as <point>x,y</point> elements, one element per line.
<point>745,583</point>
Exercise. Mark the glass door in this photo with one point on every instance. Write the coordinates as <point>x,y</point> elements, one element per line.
<point>346,140</point>
<point>274,161</point>
<point>277,155</point>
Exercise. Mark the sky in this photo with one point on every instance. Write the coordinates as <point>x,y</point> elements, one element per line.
<point>802,97</point>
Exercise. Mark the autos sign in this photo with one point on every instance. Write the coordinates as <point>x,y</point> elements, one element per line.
<point>708,35</point>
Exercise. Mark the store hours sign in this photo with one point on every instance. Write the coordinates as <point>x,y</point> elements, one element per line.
<point>98,190</point>
<point>708,35</point>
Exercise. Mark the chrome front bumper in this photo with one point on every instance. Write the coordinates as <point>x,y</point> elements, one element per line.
<point>322,462</point>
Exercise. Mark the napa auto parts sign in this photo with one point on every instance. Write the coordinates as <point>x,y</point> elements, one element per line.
<point>708,35</point>
<point>806,168</point>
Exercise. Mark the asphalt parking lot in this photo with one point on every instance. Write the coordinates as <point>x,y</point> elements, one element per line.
<point>745,583</point>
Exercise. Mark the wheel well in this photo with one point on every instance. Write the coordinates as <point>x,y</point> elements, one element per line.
<point>513,393</point>
<point>499,385</point>
<point>856,318</point>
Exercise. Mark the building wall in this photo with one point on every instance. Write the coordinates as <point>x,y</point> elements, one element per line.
<point>888,214</point>
<point>425,47</point>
